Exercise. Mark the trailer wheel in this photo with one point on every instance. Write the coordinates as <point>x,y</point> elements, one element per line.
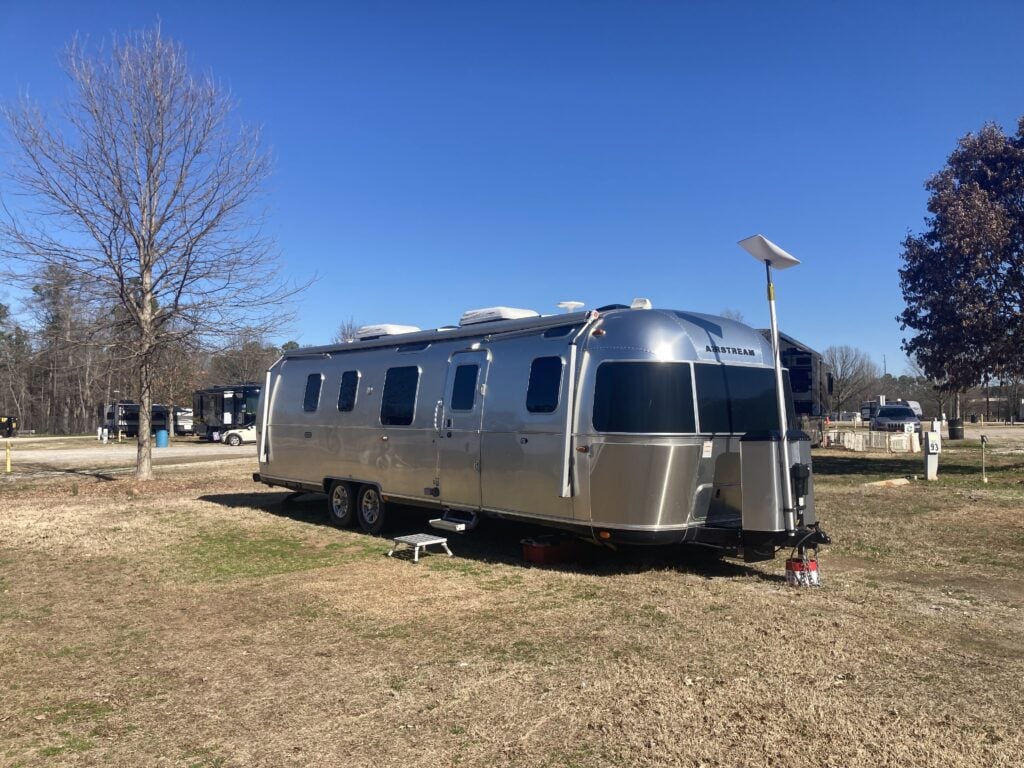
<point>370,510</point>
<point>341,508</point>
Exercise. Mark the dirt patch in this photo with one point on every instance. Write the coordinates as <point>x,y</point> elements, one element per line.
<point>203,620</point>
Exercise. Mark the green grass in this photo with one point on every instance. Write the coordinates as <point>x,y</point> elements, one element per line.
<point>959,467</point>
<point>501,583</point>
<point>70,744</point>
<point>80,711</point>
<point>454,565</point>
<point>232,553</point>
<point>203,757</point>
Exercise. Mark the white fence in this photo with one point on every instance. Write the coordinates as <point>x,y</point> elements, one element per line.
<point>890,442</point>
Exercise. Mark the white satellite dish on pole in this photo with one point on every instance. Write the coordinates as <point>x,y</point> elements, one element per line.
<point>763,249</point>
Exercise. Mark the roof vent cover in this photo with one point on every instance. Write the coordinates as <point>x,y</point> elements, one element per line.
<point>491,314</point>
<point>384,329</point>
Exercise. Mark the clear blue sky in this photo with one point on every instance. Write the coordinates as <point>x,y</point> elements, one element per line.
<point>433,157</point>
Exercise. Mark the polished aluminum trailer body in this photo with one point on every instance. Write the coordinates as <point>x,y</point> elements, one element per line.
<point>623,424</point>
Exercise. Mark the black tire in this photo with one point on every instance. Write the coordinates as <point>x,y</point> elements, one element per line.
<point>341,507</point>
<point>370,510</point>
<point>234,441</point>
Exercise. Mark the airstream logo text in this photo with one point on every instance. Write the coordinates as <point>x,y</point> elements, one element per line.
<point>729,350</point>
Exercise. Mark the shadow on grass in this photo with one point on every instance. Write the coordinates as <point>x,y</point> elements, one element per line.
<point>499,541</point>
<point>886,466</point>
<point>302,507</point>
<point>96,474</point>
<point>30,470</point>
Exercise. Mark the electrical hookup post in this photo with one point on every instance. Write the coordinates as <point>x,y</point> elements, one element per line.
<point>778,509</point>
<point>932,449</point>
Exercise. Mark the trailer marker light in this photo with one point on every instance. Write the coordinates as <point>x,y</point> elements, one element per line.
<point>604,535</point>
<point>599,332</point>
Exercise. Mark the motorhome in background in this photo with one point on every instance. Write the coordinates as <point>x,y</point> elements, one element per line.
<point>623,425</point>
<point>914,406</point>
<point>123,417</point>
<point>183,421</point>
<point>217,408</point>
<point>810,377</point>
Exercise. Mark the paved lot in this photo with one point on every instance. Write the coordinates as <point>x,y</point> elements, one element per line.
<point>86,455</point>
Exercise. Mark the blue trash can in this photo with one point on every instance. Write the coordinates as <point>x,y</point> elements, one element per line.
<point>161,438</point>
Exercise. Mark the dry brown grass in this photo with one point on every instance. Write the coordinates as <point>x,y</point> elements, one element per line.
<point>201,621</point>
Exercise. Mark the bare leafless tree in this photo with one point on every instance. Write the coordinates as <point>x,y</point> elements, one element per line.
<point>853,374</point>
<point>144,190</point>
<point>733,314</point>
<point>346,331</point>
<point>247,360</point>
<point>936,395</point>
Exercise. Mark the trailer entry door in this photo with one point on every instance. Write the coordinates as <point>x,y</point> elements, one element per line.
<point>459,420</point>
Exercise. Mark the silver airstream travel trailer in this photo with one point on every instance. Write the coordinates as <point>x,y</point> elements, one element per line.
<point>622,424</point>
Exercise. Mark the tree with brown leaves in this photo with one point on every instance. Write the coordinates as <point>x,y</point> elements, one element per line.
<point>963,278</point>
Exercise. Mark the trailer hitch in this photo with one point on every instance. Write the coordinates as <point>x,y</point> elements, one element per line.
<point>814,537</point>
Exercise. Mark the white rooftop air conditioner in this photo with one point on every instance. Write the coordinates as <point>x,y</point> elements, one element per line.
<point>490,314</point>
<point>384,329</point>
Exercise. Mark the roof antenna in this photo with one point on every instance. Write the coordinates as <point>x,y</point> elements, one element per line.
<point>569,306</point>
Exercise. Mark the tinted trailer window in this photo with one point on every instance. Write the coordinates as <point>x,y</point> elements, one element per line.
<point>398,404</point>
<point>545,383</point>
<point>464,387</point>
<point>347,392</point>
<point>736,399</point>
<point>311,400</point>
<point>643,398</point>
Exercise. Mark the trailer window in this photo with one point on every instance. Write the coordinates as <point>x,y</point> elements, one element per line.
<point>398,403</point>
<point>545,383</point>
<point>643,397</point>
<point>312,399</point>
<point>347,393</point>
<point>464,387</point>
<point>252,403</point>
<point>735,399</point>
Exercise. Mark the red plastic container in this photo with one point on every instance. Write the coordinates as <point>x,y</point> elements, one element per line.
<point>800,573</point>
<point>548,550</point>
